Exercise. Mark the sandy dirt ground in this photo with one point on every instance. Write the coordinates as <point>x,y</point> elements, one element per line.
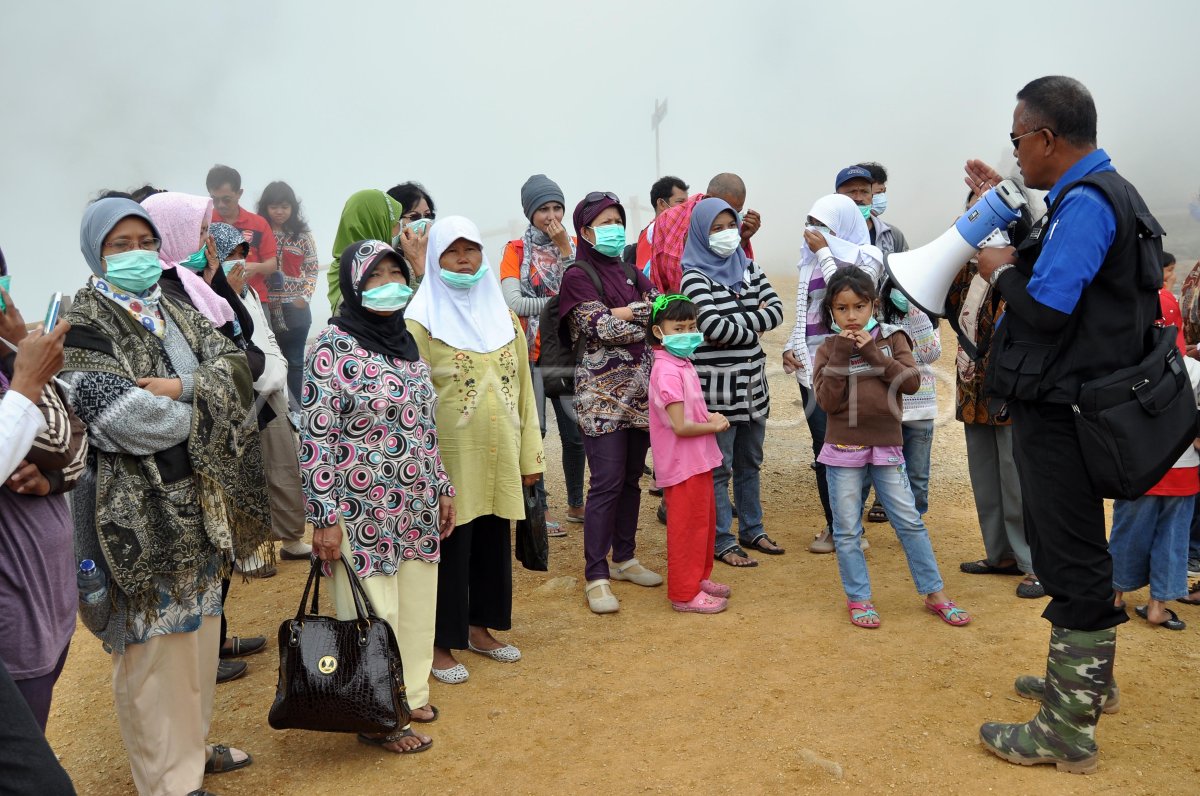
<point>779,694</point>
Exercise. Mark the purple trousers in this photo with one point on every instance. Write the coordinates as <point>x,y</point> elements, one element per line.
<point>614,496</point>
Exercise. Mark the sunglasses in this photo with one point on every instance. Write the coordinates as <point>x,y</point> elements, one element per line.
<point>596,196</point>
<point>1015,139</point>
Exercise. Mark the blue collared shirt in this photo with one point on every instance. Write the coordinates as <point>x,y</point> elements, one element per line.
<point>1078,239</point>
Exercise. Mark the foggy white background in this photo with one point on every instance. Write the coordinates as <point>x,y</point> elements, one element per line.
<point>470,98</point>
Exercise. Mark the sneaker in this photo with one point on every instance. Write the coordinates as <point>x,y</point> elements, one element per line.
<point>1193,567</point>
<point>702,603</point>
<point>823,543</point>
<point>229,670</point>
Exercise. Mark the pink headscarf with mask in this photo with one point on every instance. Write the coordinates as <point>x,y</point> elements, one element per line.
<point>179,218</point>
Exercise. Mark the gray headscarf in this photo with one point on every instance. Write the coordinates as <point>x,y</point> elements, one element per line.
<point>99,219</point>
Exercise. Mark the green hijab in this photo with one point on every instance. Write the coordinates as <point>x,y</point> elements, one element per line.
<point>368,215</point>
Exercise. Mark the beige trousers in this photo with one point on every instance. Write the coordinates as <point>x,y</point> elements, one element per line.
<point>281,464</point>
<point>408,602</point>
<point>164,695</point>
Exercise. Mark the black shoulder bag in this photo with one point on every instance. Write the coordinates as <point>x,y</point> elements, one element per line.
<point>338,676</point>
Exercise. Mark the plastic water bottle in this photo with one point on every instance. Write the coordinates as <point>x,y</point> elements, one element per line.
<point>93,586</point>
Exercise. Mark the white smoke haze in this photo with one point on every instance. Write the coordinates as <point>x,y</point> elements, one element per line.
<point>470,98</point>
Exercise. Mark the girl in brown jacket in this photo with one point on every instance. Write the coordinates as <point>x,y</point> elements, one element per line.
<point>860,371</point>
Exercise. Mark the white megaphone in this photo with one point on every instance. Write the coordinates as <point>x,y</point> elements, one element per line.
<point>924,275</point>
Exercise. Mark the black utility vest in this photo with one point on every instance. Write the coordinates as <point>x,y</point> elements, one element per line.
<point>1107,329</point>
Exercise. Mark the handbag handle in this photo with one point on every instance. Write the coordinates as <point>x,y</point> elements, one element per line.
<point>361,602</point>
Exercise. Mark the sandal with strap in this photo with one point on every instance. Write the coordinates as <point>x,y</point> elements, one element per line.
<point>736,550</point>
<point>949,613</point>
<point>393,738</point>
<point>877,513</point>
<point>220,760</point>
<point>863,614</point>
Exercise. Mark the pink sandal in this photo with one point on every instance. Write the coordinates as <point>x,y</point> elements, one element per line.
<point>702,603</point>
<point>715,589</point>
<point>867,617</point>
<point>949,613</point>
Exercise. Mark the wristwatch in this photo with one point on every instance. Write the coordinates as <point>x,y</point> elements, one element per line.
<point>998,271</point>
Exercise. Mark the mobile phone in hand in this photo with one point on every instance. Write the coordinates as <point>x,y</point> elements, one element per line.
<point>52,312</point>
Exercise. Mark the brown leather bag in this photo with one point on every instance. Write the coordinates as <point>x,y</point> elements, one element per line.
<point>339,676</point>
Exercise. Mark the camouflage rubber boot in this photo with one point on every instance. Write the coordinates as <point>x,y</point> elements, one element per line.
<point>1031,686</point>
<point>1078,674</point>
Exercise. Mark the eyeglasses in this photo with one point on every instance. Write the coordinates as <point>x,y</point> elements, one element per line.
<point>1016,138</point>
<point>596,196</point>
<point>122,245</point>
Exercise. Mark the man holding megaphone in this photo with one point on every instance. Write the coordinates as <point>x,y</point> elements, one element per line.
<point>1080,298</point>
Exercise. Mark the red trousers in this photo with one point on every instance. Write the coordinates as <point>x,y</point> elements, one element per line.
<point>691,533</point>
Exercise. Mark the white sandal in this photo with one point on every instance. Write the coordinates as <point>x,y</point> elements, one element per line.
<point>633,571</point>
<point>453,676</point>
<point>603,601</point>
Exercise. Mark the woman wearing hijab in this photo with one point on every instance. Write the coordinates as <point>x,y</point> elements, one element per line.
<point>611,383</point>
<point>367,215</point>
<point>172,493</point>
<point>531,273</point>
<point>735,304</point>
<point>37,564</point>
<point>835,236</point>
<point>279,446</point>
<point>373,478</point>
<point>487,418</point>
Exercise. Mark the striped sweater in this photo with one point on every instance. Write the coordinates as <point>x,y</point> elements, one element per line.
<point>731,363</point>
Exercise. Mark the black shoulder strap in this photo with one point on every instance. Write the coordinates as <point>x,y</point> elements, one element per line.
<point>592,275</point>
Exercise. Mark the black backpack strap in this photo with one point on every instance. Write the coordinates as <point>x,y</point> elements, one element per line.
<point>592,275</point>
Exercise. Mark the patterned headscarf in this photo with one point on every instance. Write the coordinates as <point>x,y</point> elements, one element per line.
<point>381,334</point>
<point>226,238</point>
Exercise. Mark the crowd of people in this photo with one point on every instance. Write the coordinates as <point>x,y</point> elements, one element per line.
<point>183,410</point>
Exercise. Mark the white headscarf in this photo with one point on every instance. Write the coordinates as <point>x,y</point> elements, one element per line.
<point>851,241</point>
<point>476,319</point>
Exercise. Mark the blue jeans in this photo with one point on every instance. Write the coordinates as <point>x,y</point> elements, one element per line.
<point>291,343</point>
<point>573,458</point>
<point>891,485</point>
<point>918,442</point>
<point>1149,543</point>
<point>741,455</point>
<point>1194,542</point>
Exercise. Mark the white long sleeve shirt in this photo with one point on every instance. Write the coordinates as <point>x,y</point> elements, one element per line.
<point>20,423</point>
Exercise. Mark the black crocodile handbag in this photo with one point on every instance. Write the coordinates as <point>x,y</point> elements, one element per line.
<point>338,676</point>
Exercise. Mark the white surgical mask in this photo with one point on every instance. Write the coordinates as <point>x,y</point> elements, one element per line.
<point>725,242</point>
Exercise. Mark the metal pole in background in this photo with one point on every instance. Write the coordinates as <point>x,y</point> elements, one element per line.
<point>660,111</point>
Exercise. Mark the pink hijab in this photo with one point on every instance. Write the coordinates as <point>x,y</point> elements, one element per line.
<point>179,218</point>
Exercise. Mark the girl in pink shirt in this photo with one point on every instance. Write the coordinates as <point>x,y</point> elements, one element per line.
<point>685,454</point>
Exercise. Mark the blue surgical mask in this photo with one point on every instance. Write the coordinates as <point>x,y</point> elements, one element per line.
<point>5,281</point>
<point>136,270</point>
<point>610,240</point>
<point>899,299</point>
<point>198,260</point>
<point>865,210</point>
<point>871,324</point>
<point>879,202</point>
<point>229,265</point>
<point>462,281</point>
<point>419,225</point>
<point>387,298</point>
<point>682,345</point>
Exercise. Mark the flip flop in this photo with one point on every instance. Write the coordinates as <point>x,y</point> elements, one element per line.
<point>432,709</point>
<point>982,567</point>
<point>1188,600</point>
<point>1174,623</point>
<point>757,544</point>
<point>396,736</point>
<point>738,551</point>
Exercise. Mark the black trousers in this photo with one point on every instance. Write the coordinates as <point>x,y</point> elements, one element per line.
<point>224,624</point>
<point>28,766</point>
<point>1064,519</point>
<point>474,580</point>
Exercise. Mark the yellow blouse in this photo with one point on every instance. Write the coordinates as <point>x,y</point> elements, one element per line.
<point>487,423</point>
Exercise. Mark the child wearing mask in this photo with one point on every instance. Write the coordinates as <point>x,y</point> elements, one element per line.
<point>857,370</point>
<point>682,437</point>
